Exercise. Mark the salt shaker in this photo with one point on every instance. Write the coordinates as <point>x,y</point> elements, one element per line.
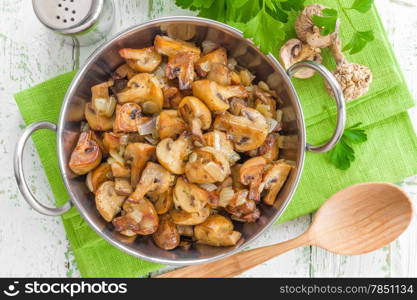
<point>82,22</point>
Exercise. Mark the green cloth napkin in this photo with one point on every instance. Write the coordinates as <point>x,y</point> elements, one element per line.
<point>389,154</point>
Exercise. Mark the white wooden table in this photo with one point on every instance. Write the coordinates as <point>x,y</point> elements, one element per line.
<point>35,245</point>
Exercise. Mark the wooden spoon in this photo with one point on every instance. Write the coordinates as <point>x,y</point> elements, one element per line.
<point>359,219</point>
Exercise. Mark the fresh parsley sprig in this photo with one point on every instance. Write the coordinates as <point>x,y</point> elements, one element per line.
<point>260,20</point>
<point>328,24</point>
<point>343,154</point>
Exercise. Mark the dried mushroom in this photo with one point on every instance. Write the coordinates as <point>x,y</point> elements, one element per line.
<point>217,230</point>
<point>247,131</point>
<point>141,60</point>
<point>86,155</point>
<point>173,154</point>
<point>138,218</point>
<point>108,202</point>
<point>167,236</point>
<point>207,165</point>
<point>196,114</point>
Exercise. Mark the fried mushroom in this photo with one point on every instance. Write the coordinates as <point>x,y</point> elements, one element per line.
<point>196,114</point>
<point>167,236</point>
<point>251,174</point>
<point>137,155</point>
<point>217,230</point>
<point>173,154</point>
<point>170,124</point>
<point>189,197</point>
<point>141,60</point>
<point>108,202</point>
<point>86,155</point>
<point>274,180</point>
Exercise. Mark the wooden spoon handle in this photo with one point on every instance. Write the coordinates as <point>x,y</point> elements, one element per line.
<point>237,263</point>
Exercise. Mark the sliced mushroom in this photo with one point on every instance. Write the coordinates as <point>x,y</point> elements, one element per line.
<point>167,236</point>
<point>221,74</point>
<point>265,103</point>
<point>204,65</point>
<point>269,149</point>
<point>111,141</point>
<point>108,202</point>
<point>143,89</point>
<point>162,202</point>
<point>122,186</point>
<point>251,174</point>
<point>274,180</point>
<point>99,175</point>
<point>186,230</point>
<point>247,131</point>
<point>207,165</point>
<point>139,218</point>
<point>196,114</point>
<point>215,96</point>
<point>127,118</point>
<point>173,154</point>
<point>242,208</point>
<point>95,121</point>
<point>189,197</point>
<point>119,170</point>
<point>137,155</point>
<point>172,96</point>
<point>154,178</point>
<point>141,60</point>
<point>169,47</point>
<point>170,124</point>
<point>310,33</point>
<point>181,217</point>
<point>86,155</point>
<point>295,51</point>
<point>237,185</point>
<point>122,72</point>
<point>217,230</point>
<point>218,140</point>
<point>101,101</point>
<point>181,66</point>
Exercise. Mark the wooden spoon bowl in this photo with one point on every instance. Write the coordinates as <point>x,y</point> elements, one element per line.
<point>359,219</point>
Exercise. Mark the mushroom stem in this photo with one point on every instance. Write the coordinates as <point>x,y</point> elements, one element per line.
<point>196,130</point>
<point>336,49</point>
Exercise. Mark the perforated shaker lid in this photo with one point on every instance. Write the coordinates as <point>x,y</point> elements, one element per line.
<point>68,16</point>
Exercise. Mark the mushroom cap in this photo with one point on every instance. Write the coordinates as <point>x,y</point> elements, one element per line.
<point>181,217</point>
<point>251,174</point>
<point>293,51</point>
<point>181,66</point>
<point>216,230</point>
<point>308,32</point>
<point>167,236</point>
<point>192,108</point>
<point>204,64</point>
<point>86,155</point>
<point>100,174</point>
<point>354,79</point>
<point>108,202</point>
<point>141,60</point>
<point>170,124</point>
<point>137,155</point>
<point>127,117</point>
<point>95,121</point>
<point>170,47</point>
<point>172,154</point>
<point>247,131</point>
<point>274,180</point>
<point>189,197</point>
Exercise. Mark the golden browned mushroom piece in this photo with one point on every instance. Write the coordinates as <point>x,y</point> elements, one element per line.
<point>215,96</point>
<point>162,202</point>
<point>95,121</point>
<point>218,140</point>
<point>173,154</point>
<point>189,197</point>
<point>204,64</point>
<point>142,60</point>
<point>86,155</point>
<point>170,124</point>
<point>181,66</point>
<point>145,90</point>
<point>310,33</point>
<point>251,174</point>
<point>196,114</point>
<point>269,149</point>
<point>185,230</point>
<point>139,218</point>
<point>119,169</point>
<point>108,202</point>
<point>265,102</point>
<point>127,118</point>
<point>221,74</point>
<point>207,165</point>
<point>237,185</point>
<point>154,178</point>
<point>217,230</point>
<point>169,47</point>
<point>102,103</point>
<point>172,96</point>
<point>294,51</point>
<point>354,79</point>
<point>247,131</point>
<point>124,71</point>
<point>181,217</point>
<point>122,186</point>
<point>167,236</point>
<point>111,141</point>
<point>99,175</point>
<point>274,180</point>
<point>137,155</point>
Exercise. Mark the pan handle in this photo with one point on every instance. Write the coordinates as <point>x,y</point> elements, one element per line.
<point>20,176</point>
<point>340,103</point>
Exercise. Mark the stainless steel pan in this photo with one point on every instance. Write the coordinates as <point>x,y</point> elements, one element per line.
<point>98,68</point>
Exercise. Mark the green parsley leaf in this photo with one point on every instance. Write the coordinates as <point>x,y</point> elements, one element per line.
<point>265,31</point>
<point>327,22</point>
<point>362,5</point>
<point>359,41</point>
<point>289,5</point>
<point>342,155</point>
